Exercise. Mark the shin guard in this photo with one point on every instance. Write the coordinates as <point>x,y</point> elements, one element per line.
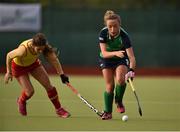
<point>119,93</point>
<point>53,96</point>
<point>108,99</point>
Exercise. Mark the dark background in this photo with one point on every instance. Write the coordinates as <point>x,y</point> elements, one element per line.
<point>73,27</point>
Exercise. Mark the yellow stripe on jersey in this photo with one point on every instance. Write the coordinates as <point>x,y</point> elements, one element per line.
<point>29,58</point>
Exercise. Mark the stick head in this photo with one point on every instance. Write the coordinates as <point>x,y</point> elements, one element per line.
<point>140,111</point>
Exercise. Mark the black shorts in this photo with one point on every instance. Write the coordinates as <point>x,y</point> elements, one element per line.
<point>112,63</point>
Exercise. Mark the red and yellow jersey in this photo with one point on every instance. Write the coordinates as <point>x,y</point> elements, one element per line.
<point>28,58</point>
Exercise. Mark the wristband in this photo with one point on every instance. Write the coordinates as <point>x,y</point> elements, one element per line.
<point>130,69</point>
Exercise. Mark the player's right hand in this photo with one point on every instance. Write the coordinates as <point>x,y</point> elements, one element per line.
<point>7,77</point>
<point>64,78</point>
<point>120,53</point>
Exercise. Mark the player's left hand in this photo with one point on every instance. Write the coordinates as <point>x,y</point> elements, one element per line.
<point>130,74</point>
<point>7,77</point>
<point>64,78</point>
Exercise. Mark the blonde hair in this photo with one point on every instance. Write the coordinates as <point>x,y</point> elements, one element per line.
<point>111,15</point>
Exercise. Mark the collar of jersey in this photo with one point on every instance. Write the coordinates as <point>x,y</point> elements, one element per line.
<point>115,36</point>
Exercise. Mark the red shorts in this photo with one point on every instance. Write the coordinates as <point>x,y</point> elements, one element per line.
<point>21,70</point>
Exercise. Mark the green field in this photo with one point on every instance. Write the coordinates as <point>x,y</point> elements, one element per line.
<point>159,98</point>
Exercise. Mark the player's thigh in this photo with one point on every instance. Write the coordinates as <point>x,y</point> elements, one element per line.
<point>120,73</point>
<point>108,75</point>
<point>26,84</point>
<point>41,76</point>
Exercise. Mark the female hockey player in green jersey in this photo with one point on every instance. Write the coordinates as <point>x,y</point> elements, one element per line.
<point>117,61</point>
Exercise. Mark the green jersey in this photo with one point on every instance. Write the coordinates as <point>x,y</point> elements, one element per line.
<point>119,42</point>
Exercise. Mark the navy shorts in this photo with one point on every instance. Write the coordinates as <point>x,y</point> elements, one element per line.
<point>112,63</point>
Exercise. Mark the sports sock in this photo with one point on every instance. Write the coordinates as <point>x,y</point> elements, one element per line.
<point>119,93</point>
<point>23,97</point>
<point>53,96</point>
<point>108,99</point>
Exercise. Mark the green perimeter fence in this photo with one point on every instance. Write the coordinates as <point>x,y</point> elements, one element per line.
<point>155,35</point>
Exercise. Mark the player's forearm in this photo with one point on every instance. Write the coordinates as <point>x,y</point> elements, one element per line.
<point>57,65</point>
<point>131,57</point>
<point>59,69</point>
<point>54,61</point>
<point>8,63</point>
<point>132,63</point>
<point>107,54</point>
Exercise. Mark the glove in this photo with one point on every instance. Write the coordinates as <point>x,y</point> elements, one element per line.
<point>130,74</point>
<point>64,78</point>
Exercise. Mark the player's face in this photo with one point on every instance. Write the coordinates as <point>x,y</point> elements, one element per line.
<point>39,49</point>
<point>113,27</point>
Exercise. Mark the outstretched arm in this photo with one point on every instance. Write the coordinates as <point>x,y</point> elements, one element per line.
<point>53,59</point>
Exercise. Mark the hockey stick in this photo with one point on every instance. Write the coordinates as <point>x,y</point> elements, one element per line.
<point>134,91</point>
<point>84,100</point>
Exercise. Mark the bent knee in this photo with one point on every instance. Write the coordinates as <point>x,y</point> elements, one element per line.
<point>121,81</point>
